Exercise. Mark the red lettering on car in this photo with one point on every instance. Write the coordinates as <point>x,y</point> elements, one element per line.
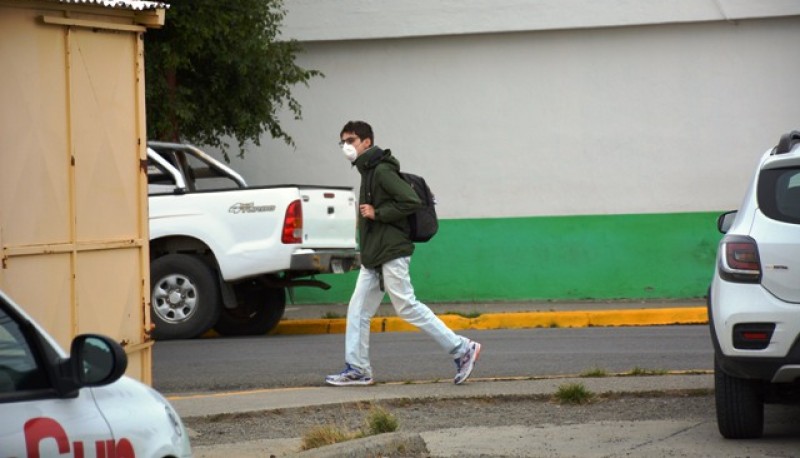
<point>108,449</point>
<point>39,429</point>
<point>42,428</point>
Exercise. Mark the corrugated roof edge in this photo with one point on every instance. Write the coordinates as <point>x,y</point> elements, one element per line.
<point>137,5</point>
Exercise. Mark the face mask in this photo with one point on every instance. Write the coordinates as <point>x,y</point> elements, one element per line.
<point>349,152</point>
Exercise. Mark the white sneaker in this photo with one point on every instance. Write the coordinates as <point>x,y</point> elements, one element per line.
<point>466,363</point>
<point>349,376</point>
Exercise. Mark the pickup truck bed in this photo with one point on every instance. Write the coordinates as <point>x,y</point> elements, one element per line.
<point>222,253</point>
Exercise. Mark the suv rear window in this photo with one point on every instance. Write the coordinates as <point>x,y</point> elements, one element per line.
<point>779,194</point>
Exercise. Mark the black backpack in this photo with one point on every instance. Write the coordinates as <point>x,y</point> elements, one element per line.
<point>423,223</point>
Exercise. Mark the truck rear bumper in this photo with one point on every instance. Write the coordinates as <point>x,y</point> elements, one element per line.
<point>326,261</point>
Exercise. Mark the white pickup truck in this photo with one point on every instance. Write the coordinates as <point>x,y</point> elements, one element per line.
<point>222,254</point>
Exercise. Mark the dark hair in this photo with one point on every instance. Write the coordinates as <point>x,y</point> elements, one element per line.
<point>360,128</point>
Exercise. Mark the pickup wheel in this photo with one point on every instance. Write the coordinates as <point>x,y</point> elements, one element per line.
<point>259,311</point>
<point>740,405</point>
<point>185,297</point>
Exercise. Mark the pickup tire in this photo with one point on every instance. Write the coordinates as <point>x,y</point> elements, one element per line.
<point>259,310</point>
<point>740,405</point>
<point>185,299</point>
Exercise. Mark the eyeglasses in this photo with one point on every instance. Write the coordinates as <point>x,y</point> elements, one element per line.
<point>349,141</point>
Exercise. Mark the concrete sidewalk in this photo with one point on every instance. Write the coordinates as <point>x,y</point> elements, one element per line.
<point>285,398</point>
<point>590,439</point>
<point>445,442</point>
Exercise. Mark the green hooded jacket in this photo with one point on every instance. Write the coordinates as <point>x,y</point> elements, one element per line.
<point>386,237</point>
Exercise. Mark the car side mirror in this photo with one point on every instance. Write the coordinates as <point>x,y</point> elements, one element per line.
<point>96,360</point>
<point>725,221</point>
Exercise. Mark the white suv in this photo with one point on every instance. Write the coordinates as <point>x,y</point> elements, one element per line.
<point>754,300</point>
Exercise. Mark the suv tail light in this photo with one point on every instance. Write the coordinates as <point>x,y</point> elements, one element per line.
<point>739,261</point>
<point>752,336</point>
<point>293,223</point>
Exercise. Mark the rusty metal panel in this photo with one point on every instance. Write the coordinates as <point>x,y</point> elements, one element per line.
<point>42,285</point>
<point>103,107</point>
<point>109,296</point>
<point>73,197</point>
<point>33,144</point>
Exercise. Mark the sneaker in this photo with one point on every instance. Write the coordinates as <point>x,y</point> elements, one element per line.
<point>466,363</point>
<point>349,376</point>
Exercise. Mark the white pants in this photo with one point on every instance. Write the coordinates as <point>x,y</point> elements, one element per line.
<point>364,304</point>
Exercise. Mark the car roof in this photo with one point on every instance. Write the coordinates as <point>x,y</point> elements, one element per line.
<point>785,154</point>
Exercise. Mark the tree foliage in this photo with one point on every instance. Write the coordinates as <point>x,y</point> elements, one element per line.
<point>217,69</point>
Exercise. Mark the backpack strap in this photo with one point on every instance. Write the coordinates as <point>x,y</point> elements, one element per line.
<point>373,163</point>
<point>379,269</point>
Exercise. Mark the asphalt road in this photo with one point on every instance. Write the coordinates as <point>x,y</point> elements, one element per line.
<point>204,365</point>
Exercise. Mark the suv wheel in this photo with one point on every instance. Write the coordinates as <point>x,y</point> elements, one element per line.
<point>740,405</point>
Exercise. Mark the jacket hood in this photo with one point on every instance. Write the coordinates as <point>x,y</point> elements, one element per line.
<point>374,156</point>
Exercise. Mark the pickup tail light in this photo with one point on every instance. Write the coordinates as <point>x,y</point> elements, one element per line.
<point>293,223</point>
<point>738,260</point>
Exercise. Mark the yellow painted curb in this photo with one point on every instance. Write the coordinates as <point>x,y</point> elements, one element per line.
<point>514,320</point>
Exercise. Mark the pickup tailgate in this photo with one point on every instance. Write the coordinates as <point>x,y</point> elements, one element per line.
<point>329,217</point>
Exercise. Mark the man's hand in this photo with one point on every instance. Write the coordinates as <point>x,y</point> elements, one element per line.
<point>367,211</point>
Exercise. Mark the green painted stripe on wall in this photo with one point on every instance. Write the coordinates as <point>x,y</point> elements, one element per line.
<point>557,258</point>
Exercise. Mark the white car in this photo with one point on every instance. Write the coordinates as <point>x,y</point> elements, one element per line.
<point>754,300</point>
<point>80,405</point>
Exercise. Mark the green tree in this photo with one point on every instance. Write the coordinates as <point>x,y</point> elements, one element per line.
<point>217,69</point>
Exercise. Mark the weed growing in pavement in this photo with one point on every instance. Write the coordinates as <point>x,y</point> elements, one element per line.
<point>378,421</point>
<point>638,371</point>
<point>594,372</point>
<point>331,315</point>
<point>553,324</point>
<point>573,393</point>
<point>320,436</point>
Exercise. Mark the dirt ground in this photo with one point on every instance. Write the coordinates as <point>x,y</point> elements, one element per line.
<point>427,415</point>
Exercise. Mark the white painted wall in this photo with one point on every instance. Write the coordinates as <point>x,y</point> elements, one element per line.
<point>653,118</point>
<point>319,20</point>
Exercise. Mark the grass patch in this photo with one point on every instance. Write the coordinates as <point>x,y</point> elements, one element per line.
<point>378,421</point>
<point>320,436</point>
<point>573,393</point>
<point>639,372</point>
<point>594,372</point>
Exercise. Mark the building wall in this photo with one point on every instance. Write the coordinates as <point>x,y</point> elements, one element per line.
<point>582,158</point>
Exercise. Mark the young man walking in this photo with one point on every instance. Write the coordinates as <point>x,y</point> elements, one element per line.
<point>385,201</point>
